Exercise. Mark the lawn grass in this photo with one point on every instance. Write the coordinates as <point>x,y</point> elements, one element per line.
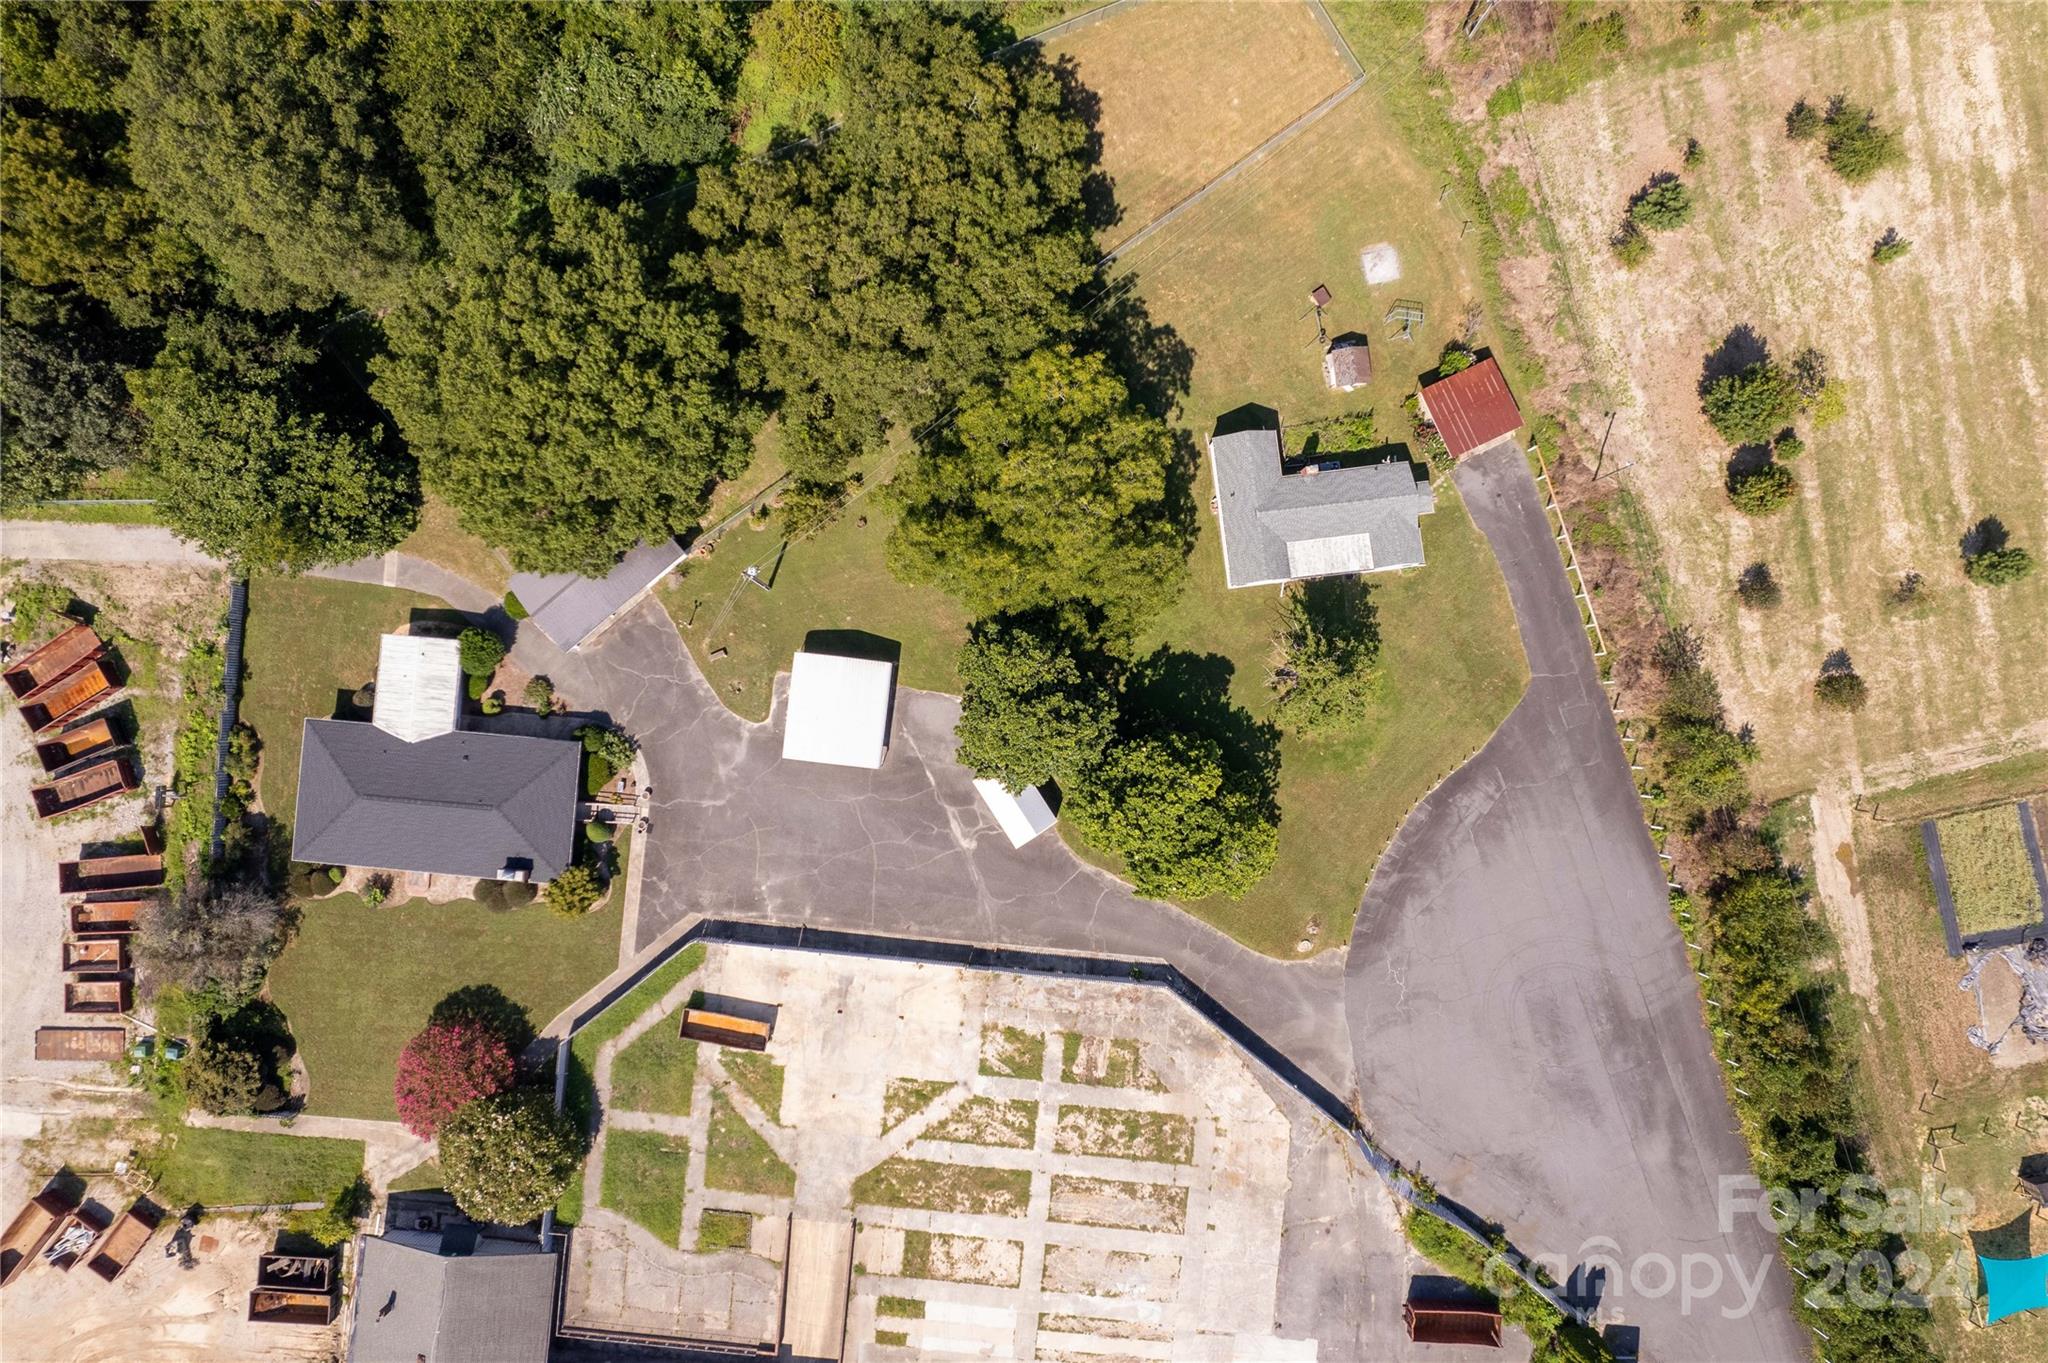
<point>1122,1063</point>
<point>358,983</point>
<point>833,581</point>
<point>903,1099</point>
<point>1990,875</point>
<point>439,540</point>
<point>309,643</point>
<point>900,1308</point>
<point>738,1159</point>
<point>129,489</point>
<point>656,1073</point>
<point>1012,1052</point>
<point>1185,90</point>
<point>758,1077</point>
<point>2013,778</point>
<point>644,1172</point>
<point>926,1185</point>
<point>237,1168</point>
<point>581,1102</point>
<point>724,1230</point>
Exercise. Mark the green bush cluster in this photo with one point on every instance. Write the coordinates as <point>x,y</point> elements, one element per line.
<point>1630,244</point>
<point>1662,204</point>
<point>1889,247</point>
<point>482,651</point>
<point>1997,567</point>
<point>1763,489</point>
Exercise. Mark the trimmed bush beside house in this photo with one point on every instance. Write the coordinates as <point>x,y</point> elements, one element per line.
<point>573,891</point>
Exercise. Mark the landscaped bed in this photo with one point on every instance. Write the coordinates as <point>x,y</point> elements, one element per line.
<point>739,1159</point>
<point>1990,876</point>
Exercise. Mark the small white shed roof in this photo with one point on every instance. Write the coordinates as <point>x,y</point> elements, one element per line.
<point>1023,816</point>
<point>838,710</point>
<point>419,687</point>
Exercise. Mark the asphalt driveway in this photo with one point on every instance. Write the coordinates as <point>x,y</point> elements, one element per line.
<point>1523,1010</point>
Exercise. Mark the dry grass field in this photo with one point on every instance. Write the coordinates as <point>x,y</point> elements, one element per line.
<point>1186,89</point>
<point>1941,351</point>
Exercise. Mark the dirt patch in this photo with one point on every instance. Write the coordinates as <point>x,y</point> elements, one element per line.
<point>1109,1202</point>
<point>1111,1273</point>
<point>962,1259</point>
<point>1110,1062</point>
<point>1011,1123</point>
<point>1012,1053</point>
<point>1119,1133</point>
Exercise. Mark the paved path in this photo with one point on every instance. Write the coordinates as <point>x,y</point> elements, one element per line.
<point>1522,1007</point>
<point>63,540</point>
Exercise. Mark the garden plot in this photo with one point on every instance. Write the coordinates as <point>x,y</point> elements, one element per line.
<point>1989,872</point>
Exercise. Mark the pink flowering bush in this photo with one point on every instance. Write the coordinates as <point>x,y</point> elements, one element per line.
<point>447,1066</point>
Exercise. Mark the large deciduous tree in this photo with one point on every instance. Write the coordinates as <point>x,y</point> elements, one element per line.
<point>935,237</point>
<point>64,410</point>
<point>1052,488</point>
<point>506,1158</point>
<point>446,1067</point>
<point>261,130</point>
<point>1186,824</point>
<point>1029,710</point>
<point>568,388</point>
<point>214,939</point>
<point>249,468</point>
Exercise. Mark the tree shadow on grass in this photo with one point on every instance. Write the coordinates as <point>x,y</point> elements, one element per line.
<point>1739,349</point>
<point>1987,536</point>
<point>1747,461</point>
<point>1190,693</point>
<point>1342,608</point>
<point>487,1006</point>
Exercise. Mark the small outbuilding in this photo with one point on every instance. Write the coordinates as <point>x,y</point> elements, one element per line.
<point>419,687</point>
<point>572,610</point>
<point>1022,816</point>
<point>1472,408</point>
<point>1347,364</point>
<point>838,712</point>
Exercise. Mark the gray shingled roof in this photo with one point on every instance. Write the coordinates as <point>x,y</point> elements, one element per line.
<point>1280,526</point>
<point>485,1308</point>
<point>570,609</point>
<point>463,803</point>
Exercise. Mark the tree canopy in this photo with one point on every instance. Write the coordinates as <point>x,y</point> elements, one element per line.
<point>1029,711</point>
<point>507,1157</point>
<point>262,132</point>
<point>1011,509</point>
<point>1328,676</point>
<point>569,390</point>
<point>248,469</point>
<point>1186,824</point>
<point>935,237</point>
<point>1750,405</point>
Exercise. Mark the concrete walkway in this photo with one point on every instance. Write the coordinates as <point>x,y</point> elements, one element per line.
<point>63,541</point>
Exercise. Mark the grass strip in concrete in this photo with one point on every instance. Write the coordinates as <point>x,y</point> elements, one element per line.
<point>656,1072</point>
<point>900,1308</point>
<point>758,1077</point>
<point>1119,1133</point>
<point>1082,1201</point>
<point>903,1099</point>
<point>962,1259</point>
<point>1009,1123</point>
<point>738,1159</point>
<point>724,1230</point>
<point>1107,1062</point>
<point>1012,1053</point>
<point>927,1185</point>
<point>644,1173</point>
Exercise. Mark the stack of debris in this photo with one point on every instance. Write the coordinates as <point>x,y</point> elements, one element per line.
<point>2028,961</point>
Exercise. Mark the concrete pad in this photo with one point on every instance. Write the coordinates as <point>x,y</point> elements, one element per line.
<point>814,1306</point>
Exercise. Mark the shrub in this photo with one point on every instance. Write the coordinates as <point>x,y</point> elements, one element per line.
<point>1033,706</point>
<point>1760,491</point>
<point>445,1067</point>
<point>507,1158</point>
<point>1329,645</point>
<point>1457,356</point>
<point>1751,405</point>
<point>1187,824</point>
<point>514,607</point>
<point>1631,244</point>
<point>1997,567</point>
<point>540,694</point>
<point>482,651</point>
<point>573,891</point>
<point>335,1222</point>
<point>1829,404</point>
<point>1857,148</point>
<point>613,746</point>
<point>1908,589</point>
<point>494,705</point>
<point>222,1079</point>
<point>1889,247</point>
<point>1788,446</point>
<point>1809,373</point>
<point>1694,155</point>
<point>217,938</point>
<point>1840,690</point>
<point>237,1063</point>
<point>1802,122</point>
<point>1757,587</point>
<point>477,685</point>
<point>1662,204</point>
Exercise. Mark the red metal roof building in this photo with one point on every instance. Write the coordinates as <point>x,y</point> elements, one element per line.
<point>1472,408</point>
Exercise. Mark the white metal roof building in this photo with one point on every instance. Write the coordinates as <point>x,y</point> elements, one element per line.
<point>1022,816</point>
<point>838,710</point>
<point>419,687</point>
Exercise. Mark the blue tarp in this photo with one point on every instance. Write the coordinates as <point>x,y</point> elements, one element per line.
<point>2013,1285</point>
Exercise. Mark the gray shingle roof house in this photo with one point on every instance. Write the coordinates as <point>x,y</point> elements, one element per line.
<point>460,803</point>
<point>479,1307</point>
<point>573,610</point>
<point>1320,522</point>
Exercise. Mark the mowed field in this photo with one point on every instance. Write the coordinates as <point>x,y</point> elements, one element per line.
<point>1942,352</point>
<point>1230,278</point>
<point>1184,90</point>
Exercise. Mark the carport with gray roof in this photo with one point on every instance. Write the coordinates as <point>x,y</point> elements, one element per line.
<point>462,803</point>
<point>1279,526</point>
